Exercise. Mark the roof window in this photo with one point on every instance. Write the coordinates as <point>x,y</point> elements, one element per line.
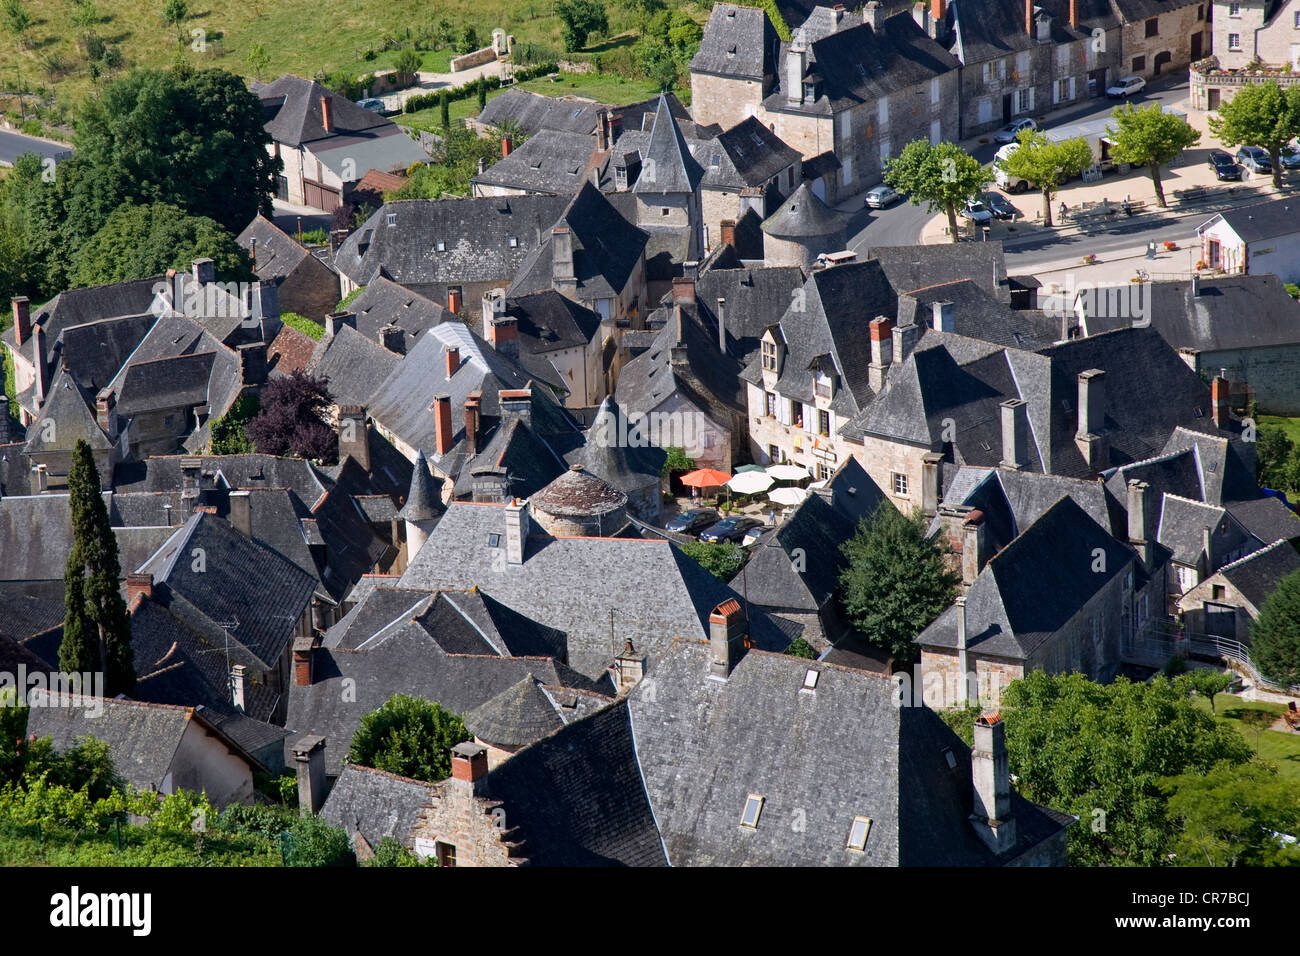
<point>810,679</point>
<point>494,540</point>
<point>753,807</point>
<point>392,218</point>
<point>858,833</point>
<point>440,246</point>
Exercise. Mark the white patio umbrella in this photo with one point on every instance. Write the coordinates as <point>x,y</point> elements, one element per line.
<point>750,482</point>
<point>788,472</point>
<point>787,496</point>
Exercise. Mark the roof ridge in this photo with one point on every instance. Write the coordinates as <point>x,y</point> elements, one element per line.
<point>1250,557</point>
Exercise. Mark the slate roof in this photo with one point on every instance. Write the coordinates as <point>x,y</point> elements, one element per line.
<point>549,322</point>
<point>162,473</point>
<point>475,234</point>
<point>918,267</point>
<point>1266,518</point>
<point>606,250</point>
<point>625,466</point>
<point>759,733</point>
<point>1011,501</point>
<point>383,302</point>
<point>1034,586</point>
<point>1226,463</point>
<point>532,113</point>
<point>424,501</point>
<point>550,161</point>
<point>515,449</point>
<point>168,383</point>
<point>575,493</point>
<point>1265,220</point>
<point>754,152</point>
<point>353,365</point>
<point>69,407</point>
<point>516,717</point>
<point>1257,575</point>
<point>990,30</point>
<point>376,804</point>
<point>756,298</point>
<point>93,352</point>
<point>804,216</point>
<point>554,584</point>
<point>738,42</point>
<point>979,315</point>
<point>277,253</point>
<point>76,307</point>
<point>667,165</point>
<point>1182,525</point>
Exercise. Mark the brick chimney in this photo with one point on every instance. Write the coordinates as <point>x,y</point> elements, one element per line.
<point>629,668</point>
<point>238,684</point>
<point>683,290</point>
<point>727,631</point>
<point>309,755</point>
<point>452,354</point>
<point>241,513</point>
<point>304,649</point>
<point>454,301</point>
<point>325,118</point>
<point>1074,14</point>
<point>516,531</point>
<point>442,434</point>
<point>504,336</point>
<point>507,145</point>
<point>991,778</point>
<point>931,463</point>
<point>1015,433</point>
<point>138,585</point>
<point>469,767</point>
<point>472,422</point>
<point>22,318</point>
<point>1219,391</point>
<point>1029,18</point>
<point>106,412</point>
<point>354,438</point>
<point>882,351</point>
<point>938,9</point>
<point>727,232</point>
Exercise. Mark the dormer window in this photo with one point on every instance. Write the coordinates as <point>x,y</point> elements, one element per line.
<point>769,356</point>
<point>753,807</point>
<point>825,385</point>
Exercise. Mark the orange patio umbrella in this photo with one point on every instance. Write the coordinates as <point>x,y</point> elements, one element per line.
<point>705,478</point>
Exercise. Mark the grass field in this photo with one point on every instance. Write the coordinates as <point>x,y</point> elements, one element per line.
<point>299,36</point>
<point>1289,425</point>
<point>1281,749</point>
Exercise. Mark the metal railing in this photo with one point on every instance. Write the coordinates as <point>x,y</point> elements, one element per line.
<point>1167,640</point>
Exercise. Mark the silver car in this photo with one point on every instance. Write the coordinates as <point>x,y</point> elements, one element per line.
<point>878,197</point>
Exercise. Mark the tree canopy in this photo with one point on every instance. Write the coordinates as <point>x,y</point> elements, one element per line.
<point>1150,137</point>
<point>1231,816</point>
<point>1260,114</point>
<point>896,580</point>
<point>1047,163</point>
<point>581,18</point>
<point>408,736</point>
<point>944,176</point>
<point>1275,634</point>
<point>292,418</point>
<point>140,241</point>
<point>722,560</point>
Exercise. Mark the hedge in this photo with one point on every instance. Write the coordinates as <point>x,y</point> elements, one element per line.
<point>427,101</point>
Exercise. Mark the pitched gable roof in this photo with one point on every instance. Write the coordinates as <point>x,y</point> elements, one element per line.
<point>738,42</point>
<point>1258,574</point>
<point>667,165</point>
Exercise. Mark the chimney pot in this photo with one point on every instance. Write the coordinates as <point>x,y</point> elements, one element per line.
<point>683,290</point>
<point>728,629</point>
<point>516,531</point>
<point>325,118</point>
<point>454,301</point>
<point>507,145</point>
<point>453,360</point>
<point>1219,396</point>
<point>304,649</point>
<point>727,229</point>
<point>469,765</point>
<point>442,435</point>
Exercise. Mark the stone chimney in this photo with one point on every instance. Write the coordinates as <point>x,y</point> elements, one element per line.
<point>138,585</point>
<point>1138,513</point>
<point>304,650</point>
<point>1207,546</point>
<point>727,232</point>
<point>325,118</point>
<point>1091,412</point>
<point>454,301</point>
<point>629,668</point>
<point>683,290</point>
<point>1044,30</point>
<point>42,379</point>
<point>469,768</point>
<point>963,658</point>
<point>873,15</point>
<point>264,308</point>
<point>722,325</point>
<point>921,14</point>
<point>1196,285</point>
<point>205,271</point>
<point>796,61</point>
<point>942,316</point>
<point>516,531</point>
<point>516,403</point>
<point>492,306</point>
<point>504,336</point>
<point>562,273</point>
<point>22,319</point>
<point>252,364</point>
<point>991,777</point>
<point>106,412</point>
<point>1219,391</point>
<point>42,478</point>
<point>727,632</point>
<point>191,480</point>
<point>931,493</point>
<point>392,338</point>
<point>336,320</point>
<point>309,755</point>
<point>452,355</point>
<point>1015,433</point>
<point>881,331</point>
<point>974,546</point>
<point>241,513</point>
<point>602,130</point>
<point>354,435</point>
<point>238,681</point>
<point>905,339</point>
<point>442,434</point>
<point>472,423</point>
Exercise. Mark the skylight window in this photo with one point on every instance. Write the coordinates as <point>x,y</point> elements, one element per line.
<point>753,807</point>
<point>513,242</point>
<point>1199,413</point>
<point>858,833</point>
<point>810,679</point>
<point>950,757</point>
<point>392,218</point>
<point>440,246</point>
<point>494,540</point>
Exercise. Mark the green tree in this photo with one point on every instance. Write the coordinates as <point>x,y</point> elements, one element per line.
<point>228,432</point>
<point>1151,137</point>
<point>722,559</point>
<point>581,18</point>
<point>801,648</point>
<point>258,59</point>
<point>313,842</point>
<point>1260,114</point>
<point>444,110</point>
<point>943,176</point>
<point>195,139</point>
<point>896,580</point>
<point>1047,163</point>
<point>17,20</point>
<point>1275,634</point>
<point>136,242</point>
<point>1100,752</point>
<point>100,626</point>
<point>407,64</point>
<point>1273,454</point>
<point>13,736</point>
<point>677,461</point>
<point>1208,683</point>
<point>388,852</point>
<point>409,736</point>
<point>1228,817</point>
<point>174,14</point>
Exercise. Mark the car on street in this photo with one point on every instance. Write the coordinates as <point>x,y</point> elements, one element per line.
<point>878,197</point>
<point>1224,166</point>
<point>1255,159</point>
<point>977,212</point>
<point>1010,132</point>
<point>999,205</point>
<point>692,521</point>
<point>1289,157</point>
<point>1126,87</point>
<point>733,528</point>
<point>373,104</point>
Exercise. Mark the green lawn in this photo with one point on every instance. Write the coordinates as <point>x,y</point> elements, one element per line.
<point>1281,749</point>
<point>1289,425</point>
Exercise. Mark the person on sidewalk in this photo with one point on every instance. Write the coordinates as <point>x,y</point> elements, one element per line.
<point>1128,209</point>
<point>1064,210</point>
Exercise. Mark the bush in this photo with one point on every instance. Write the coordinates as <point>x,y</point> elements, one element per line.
<point>391,853</point>
<point>408,736</point>
<point>721,560</point>
<point>313,842</point>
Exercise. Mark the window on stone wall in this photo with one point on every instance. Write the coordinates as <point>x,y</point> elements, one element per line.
<point>769,356</point>
<point>822,471</point>
<point>823,423</point>
<point>899,481</point>
<point>1139,64</point>
<point>1153,27</point>
<point>446,854</point>
<point>771,404</point>
<point>1234,41</point>
<point>1234,9</point>
<point>1297,19</point>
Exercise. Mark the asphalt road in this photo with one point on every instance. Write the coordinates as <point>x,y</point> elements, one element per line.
<point>13,145</point>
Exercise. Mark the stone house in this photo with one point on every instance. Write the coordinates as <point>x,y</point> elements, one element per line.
<point>1159,35</point>
<point>307,282</point>
<point>1227,602</point>
<point>1254,239</point>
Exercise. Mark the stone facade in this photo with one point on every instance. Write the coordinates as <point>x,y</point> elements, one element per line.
<point>1270,375</point>
<point>725,100</point>
<point>1180,37</point>
<point>794,431</point>
<point>460,826</point>
<point>888,461</point>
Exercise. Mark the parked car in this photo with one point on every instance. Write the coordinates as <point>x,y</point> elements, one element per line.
<point>977,212</point>
<point>1255,159</point>
<point>878,197</point>
<point>729,529</point>
<point>1225,168</point>
<point>1289,157</point>
<point>1010,132</point>
<point>373,104</point>
<point>692,521</point>
<point>999,205</point>
<point>754,535</point>
<point>1126,87</point>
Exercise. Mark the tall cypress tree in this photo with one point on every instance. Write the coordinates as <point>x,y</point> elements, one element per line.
<point>98,627</point>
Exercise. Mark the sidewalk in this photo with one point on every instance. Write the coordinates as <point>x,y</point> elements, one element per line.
<point>431,82</point>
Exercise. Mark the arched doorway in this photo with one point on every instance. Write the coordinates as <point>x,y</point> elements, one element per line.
<point>1162,60</point>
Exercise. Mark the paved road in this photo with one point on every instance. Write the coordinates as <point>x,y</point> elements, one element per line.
<point>14,144</point>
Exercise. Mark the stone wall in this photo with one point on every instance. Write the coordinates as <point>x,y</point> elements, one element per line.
<point>1272,374</point>
<point>883,459</point>
<point>470,60</point>
<point>1247,24</point>
<point>477,828</point>
<point>716,99</point>
<point>1174,37</point>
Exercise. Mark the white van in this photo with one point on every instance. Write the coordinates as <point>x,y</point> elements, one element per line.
<point>1004,182</point>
